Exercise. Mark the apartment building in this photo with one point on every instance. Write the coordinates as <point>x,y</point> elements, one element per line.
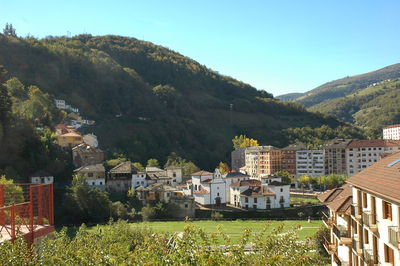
<point>375,213</point>
<point>391,132</point>
<point>361,154</point>
<point>310,162</point>
<point>289,157</point>
<point>335,156</point>
<point>338,221</point>
<point>262,160</point>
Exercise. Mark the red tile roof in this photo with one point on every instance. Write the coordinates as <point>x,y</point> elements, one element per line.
<point>202,192</point>
<point>207,181</point>
<point>250,183</point>
<point>382,178</point>
<point>398,125</point>
<point>202,173</point>
<point>373,143</point>
<point>338,199</point>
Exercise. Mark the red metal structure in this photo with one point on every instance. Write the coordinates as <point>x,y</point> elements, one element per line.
<point>26,210</point>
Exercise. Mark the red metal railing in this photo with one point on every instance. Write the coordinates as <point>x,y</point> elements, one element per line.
<point>27,210</point>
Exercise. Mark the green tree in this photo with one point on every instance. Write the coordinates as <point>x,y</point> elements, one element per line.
<point>153,163</point>
<point>223,168</point>
<point>9,30</point>
<point>285,177</point>
<point>138,166</point>
<point>13,194</point>
<point>16,89</point>
<point>242,142</point>
<point>187,167</point>
<point>85,204</point>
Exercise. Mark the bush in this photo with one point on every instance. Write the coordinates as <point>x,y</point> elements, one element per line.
<point>217,216</point>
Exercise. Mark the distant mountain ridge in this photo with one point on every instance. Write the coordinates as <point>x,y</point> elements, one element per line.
<point>289,96</point>
<point>342,87</point>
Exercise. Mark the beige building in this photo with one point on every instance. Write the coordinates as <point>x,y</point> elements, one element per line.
<point>262,160</point>
<point>95,175</point>
<point>335,156</point>
<point>84,154</point>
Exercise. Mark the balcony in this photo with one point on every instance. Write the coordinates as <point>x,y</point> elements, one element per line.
<point>330,247</point>
<point>26,210</point>
<point>356,246</point>
<point>394,236</point>
<point>369,257</point>
<point>342,234</point>
<point>369,220</point>
<point>356,211</point>
<point>327,220</point>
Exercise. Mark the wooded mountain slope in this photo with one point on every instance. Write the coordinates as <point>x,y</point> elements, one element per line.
<point>342,87</point>
<point>374,107</point>
<point>149,101</point>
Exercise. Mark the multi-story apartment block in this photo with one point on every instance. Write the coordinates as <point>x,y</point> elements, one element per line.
<point>289,157</point>
<point>375,213</point>
<point>391,132</point>
<point>361,154</point>
<point>238,158</point>
<point>338,221</point>
<point>263,160</point>
<point>310,162</point>
<point>335,156</point>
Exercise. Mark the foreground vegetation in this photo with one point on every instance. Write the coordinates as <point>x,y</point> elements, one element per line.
<point>123,244</point>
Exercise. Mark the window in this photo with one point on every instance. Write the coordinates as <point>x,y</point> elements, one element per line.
<point>186,205</point>
<point>281,189</point>
<point>101,183</point>
<point>246,200</point>
<point>90,174</point>
<point>255,207</point>
<point>389,254</point>
<point>387,210</point>
<point>366,240</point>
<point>365,202</point>
<point>195,187</point>
<point>218,194</point>
<point>255,200</point>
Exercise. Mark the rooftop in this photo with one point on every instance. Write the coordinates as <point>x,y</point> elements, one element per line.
<point>398,125</point>
<point>374,143</point>
<point>337,199</point>
<point>202,173</point>
<point>245,183</point>
<point>235,175</point>
<point>381,178</point>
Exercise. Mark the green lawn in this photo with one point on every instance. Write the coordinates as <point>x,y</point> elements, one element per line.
<point>303,201</point>
<point>232,228</point>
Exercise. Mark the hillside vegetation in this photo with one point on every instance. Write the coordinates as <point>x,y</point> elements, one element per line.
<point>372,107</point>
<point>342,87</point>
<point>149,101</point>
<point>289,96</point>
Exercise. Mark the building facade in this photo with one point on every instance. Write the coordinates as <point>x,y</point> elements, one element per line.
<point>289,160</point>
<point>376,213</point>
<point>208,188</point>
<point>391,132</point>
<point>94,174</point>
<point>361,154</point>
<point>263,160</point>
<point>335,156</point>
<point>310,162</point>
<point>84,154</point>
<point>120,177</point>
<point>238,158</point>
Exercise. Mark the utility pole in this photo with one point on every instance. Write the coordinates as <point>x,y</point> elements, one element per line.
<point>230,111</point>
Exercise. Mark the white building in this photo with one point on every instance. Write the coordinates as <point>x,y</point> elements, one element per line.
<point>376,213</point>
<point>310,162</point>
<point>361,154</point>
<point>391,132</point>
<point>263,195</point>
<point>339,242</point>
<point>60,104</point>
<point>41,177</point>
<point>231,178</point>
<point>140,179</point>
<point>95,175</point>
<point>208,188</point>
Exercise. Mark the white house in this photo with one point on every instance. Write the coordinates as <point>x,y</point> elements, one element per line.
<point>208,188</point>
<point>269,193</point>
<point>41,177</point>
<point>60,104</point>
<point>91,140</point>
<point>231,178</point>
<point>140,179</point>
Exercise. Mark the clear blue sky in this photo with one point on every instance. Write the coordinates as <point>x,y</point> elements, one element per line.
<point>281,46</point>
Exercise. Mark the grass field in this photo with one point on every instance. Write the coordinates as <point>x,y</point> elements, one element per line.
<point>303,201</point>
<point>232,228</point>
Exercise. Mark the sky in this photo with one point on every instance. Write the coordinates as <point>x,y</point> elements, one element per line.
<point>280,46</point>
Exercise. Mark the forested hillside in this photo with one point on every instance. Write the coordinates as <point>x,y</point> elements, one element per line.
<point>373,107</point>
<point>289,96</point>
<point>342,87</point>
<point>149,101</point>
